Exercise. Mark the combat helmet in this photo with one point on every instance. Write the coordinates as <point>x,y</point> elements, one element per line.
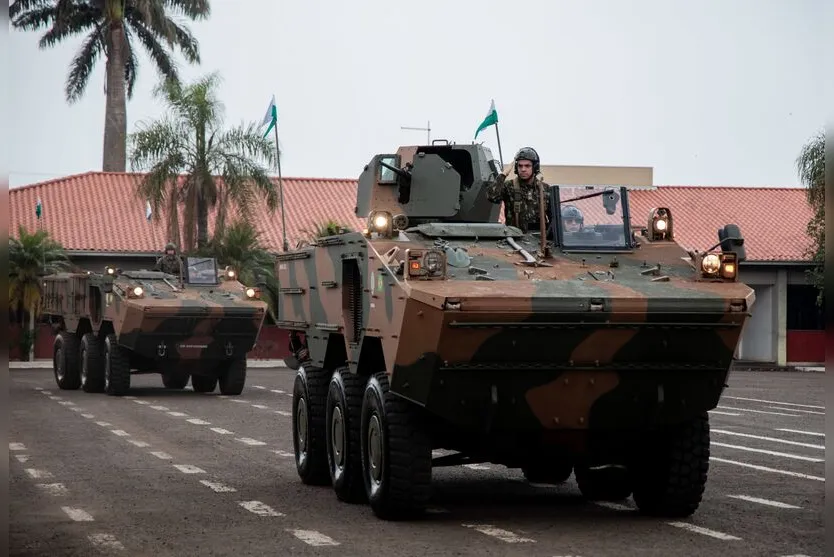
<point>573,212</point>
<point>527,154</point>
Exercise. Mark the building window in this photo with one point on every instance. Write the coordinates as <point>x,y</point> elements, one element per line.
<point>803,312</point>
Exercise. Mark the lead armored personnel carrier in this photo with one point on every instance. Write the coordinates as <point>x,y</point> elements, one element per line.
<point>200,324</point>
<point>596,351</point>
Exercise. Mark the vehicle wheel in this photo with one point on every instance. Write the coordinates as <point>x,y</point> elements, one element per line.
<point>233,377</point>
<point>603,484</point>
<point>342,419</point>
<point>116,368</point>
<point>175,380</point>
<point>548,472</point>
<point>65,361</point>
<point>396,453</point>
<point>203,383</point>
<point>309,399</point>
<point>672,473</point>
<point>92,364</point>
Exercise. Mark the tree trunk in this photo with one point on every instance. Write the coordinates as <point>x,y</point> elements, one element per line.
<point>202,220</point>
<point>115,117</point>
<point>32,332</point>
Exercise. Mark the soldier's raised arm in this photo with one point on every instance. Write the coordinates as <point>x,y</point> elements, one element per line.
<point>498,190</point>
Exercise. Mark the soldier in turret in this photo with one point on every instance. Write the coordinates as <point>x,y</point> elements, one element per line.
<point>521,194</point>
<point>170,262</point>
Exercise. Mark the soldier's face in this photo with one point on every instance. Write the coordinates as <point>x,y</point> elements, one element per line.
<point>525,170</point>
<point>169,252</point>
<point>572,225</point>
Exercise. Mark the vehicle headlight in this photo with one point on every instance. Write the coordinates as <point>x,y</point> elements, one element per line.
<point>250,292</point>
<point>431,261</point>
<point>230,273</point>
<point>660,225</point>
<point>711,263</point>
<point>381,221</point>
<point>138,291</point>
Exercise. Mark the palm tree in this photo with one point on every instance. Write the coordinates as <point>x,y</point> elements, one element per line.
<point>239,246</point>
<point>112,27</point>
<point>189,140</point>
<point>811,168</point>
<point>323,229</point>
<point>30,257</point>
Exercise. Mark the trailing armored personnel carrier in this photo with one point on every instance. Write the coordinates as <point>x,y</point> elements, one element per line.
<point>200,324</point>
<point>596,350</point>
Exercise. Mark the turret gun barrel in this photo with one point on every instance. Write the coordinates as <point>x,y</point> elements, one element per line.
<point>402,173</point>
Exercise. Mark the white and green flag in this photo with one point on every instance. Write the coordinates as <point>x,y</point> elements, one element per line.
<point>490,120</point>
<point>271,116</point>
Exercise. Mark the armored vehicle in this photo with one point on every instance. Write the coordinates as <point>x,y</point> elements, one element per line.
<point>596,351</point>
<point>199,323</point>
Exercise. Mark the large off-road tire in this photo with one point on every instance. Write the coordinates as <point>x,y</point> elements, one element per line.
<point>548,471</point>
<point>603,484</point>
<point>65,361</point>
<point>343,430</point>
<point>309,403</point>
<point>396,453</point>
<point>233,377</point>
<point>116,368</point>
<point>175,380</point>
<point>672,473</point>
<point>203,383</point>
<point>92,364</point>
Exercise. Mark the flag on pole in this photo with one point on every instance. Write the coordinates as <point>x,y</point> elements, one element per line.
<point>39,209</point>
<point>490,120</point>
<point>148,211</point>
<point>271,116</point>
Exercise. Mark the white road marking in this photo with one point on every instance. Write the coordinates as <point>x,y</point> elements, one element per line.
<point>613,506</point>
<point>798,410</point>
<point>278,391</point>
<point>105,541</point>
<point>78,515</point>
<point>222,431</point>
<point>88,416</point>
<point>801,431</point>
<point>759,411</point>
<point>767,469</point>
<point>178,414</point>
<point>162,455</point>
<point>161,408</point>
<point>240,401</point>
<point>197,421</point>
<point>17,447</point>
<point>704,531</point>
<point>249,441</point>
<point>22,457</point>
<point>144,402</point>
<point>261,406</point>
<point>38,473</point>
<point>771,453</point>
<point>56,489</point>
<point>104,424</point>
<point>217,486</point>
<point>289,395</point>
<point>283,412</point>
<point>765,438</point>
<point>131,397</point>
<point>120,432</point>
<point>258,387</point>
<point>774,402</point>
<point>258,508</point>
<point>477,466</point>
<point>77,409</point>
<point>66,403</point>
<point>53,397</point>
<point>724,413</point>
<point>764,501</point>
<point>140,444</point>
<point>503,535</point>
<point>311,537</point>
<point>283,453</point>
<point>189,469</point>
<point>46,392</point>
<point>38,388</point>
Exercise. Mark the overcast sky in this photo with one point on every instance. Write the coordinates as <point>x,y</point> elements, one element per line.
<point>708,93</point>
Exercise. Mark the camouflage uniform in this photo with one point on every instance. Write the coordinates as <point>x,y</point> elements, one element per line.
<point>521,199</point>
<point>169,263</point>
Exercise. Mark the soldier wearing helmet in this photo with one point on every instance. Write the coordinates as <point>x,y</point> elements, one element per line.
<point>521,194</point>
<point>170,262</point>
<point>572,219</point>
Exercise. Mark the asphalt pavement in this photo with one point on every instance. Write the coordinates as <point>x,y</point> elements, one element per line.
<point>175,473</point>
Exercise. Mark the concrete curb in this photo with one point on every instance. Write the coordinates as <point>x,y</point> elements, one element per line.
<point>47,364</point>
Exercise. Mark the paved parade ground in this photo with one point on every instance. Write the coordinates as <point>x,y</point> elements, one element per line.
<point>167,473</point>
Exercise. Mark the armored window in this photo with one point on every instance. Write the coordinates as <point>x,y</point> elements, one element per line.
<point>201,270</point>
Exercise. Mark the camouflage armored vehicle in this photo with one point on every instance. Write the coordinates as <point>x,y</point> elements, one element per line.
<point>199,324</point>
<point>439,327</point>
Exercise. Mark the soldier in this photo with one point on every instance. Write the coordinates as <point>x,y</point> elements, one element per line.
<point>572,218</point>
<point>170,262</point>
<point>521,194</point>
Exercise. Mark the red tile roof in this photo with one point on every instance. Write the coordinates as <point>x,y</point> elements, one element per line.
<point>98,211</point>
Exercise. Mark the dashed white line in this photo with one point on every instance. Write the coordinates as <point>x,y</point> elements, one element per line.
<point>217,486</point>
<point>221,431</point>
<point>771,453</point>
<point>704,531</point>
<point>53,397</point>
<point>759,411</point>
<point>311,537</point>
<point>76,409</point>
<point>38,388</point>
<point>503,535</point>
<point>724,413</point>
<point>189,469</point>
<point>104,424</point>
<point>765,438</point>
<point>177,414</point>
<point>259,387</point>
<point>17,447</point>
<point>78,515</point>
<point>798,410</point>
<point>277,391</point>
<point>285,454</point>
<point>250,441</point>
<point>260,509</point>
<point>106,541</point>
<point>283,412</point>
<point>161,408</point>
<point>120,432</point>
<point>801,432</point>
<point>46,392</point>
<point>761,501</point>
<point>261,406</point>
<point>239,401</point>
<point>162,455</point>
<point>197,421</point>
<point>66,403</point>
<point>37,474</point>
<point>88,416</point>
<point>767,469</point>
<point>143,402</point>
<point>56,489</point>
<point>140,444</point>
<point>774,402</point>
<point>22,457</point>
<point>129,397</point>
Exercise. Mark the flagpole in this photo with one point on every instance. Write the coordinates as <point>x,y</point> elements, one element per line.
<point>281,191</point>
<point>498,137</point>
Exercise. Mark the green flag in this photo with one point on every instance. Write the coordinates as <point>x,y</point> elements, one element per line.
<point>490,120</point>
<point>39,209</point>
<point>271,116</point>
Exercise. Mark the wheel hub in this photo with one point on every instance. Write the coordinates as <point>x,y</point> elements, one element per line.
<point>337,425</point>
<point>59,364</point>
<point>375,449</point>
<point>301,430</point>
